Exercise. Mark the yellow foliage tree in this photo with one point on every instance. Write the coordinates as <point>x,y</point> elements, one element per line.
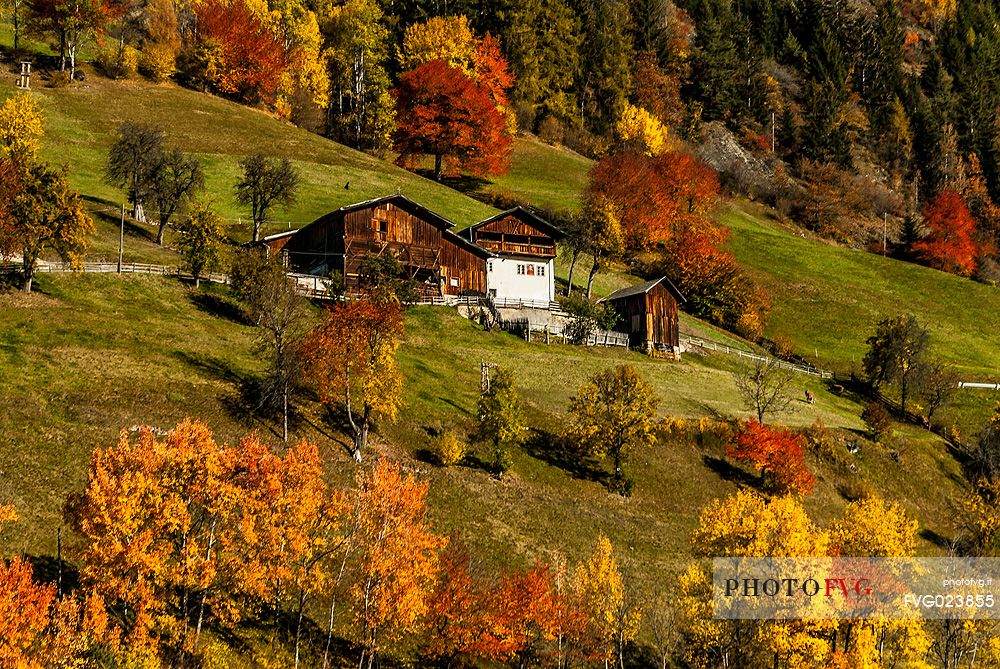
<point>873,527</point>
<point>600,590</point>
<point>641,129</point>
<point>447,38</point>
<point>21,129</point>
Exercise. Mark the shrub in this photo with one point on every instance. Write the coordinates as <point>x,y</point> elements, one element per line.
<point>824,446</point>
<point>550,130</point>
<point>502,460</point>
<point>449,449</point>
<point>118,61</point>
<point>877,419</point>
<point>157,62</point>
<point>855,490</point>
<point>586,317</point>
<point>783,347</point>
<point>59,79</point>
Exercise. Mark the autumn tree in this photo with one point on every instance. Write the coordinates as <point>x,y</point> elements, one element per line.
<point>236,52</point>
<point>443,112</point>
<point>936,386</point>
<point>763,387</point>
<point>133,161</point>
<point>501,421</point>
<point>351,358</point>
<point>200,240</point>
<point>612,621</point>
<point>396,559</point>
<point>602,234</point>
<point>265,184</point>
<point>272,301</point>
<point>21,130</point>
<point>895,353</point>
<point>777,453</point>
<point>24,615</point>
<point>69,23</point>
<point>639,130</point>
<point>43,212</point>
<point>175,181</point>
<point>874,527</point>
<point>357,50</point>
<point>950,243</point>
<point>614,414</point>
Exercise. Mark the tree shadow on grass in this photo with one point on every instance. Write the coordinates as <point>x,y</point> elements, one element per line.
<point>219,306</point>
<point>729,472</point>
<point>48,569</point>
<point>559,452</point>
<point>938,540</point>
<point>465,183</point>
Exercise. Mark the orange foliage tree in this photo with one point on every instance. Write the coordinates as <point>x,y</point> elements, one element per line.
<point>518,614</point>
<point>182,526</point>
<point>950,243</point>
<point>24,615</point>
<point>352,360</point>
<point>442,112</point>
<point>778,453</point>
<point>242,54</point>
<point>395,556</point>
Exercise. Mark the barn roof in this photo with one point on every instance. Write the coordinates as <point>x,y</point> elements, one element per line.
<point>403,203</point>
<point>467,245</point>
<point>525,215</point>
<point>643,288</point>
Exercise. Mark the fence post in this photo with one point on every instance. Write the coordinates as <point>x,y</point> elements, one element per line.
<point>121,241</point>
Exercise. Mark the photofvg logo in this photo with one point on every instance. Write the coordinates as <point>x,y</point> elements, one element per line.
<point>855,588</point>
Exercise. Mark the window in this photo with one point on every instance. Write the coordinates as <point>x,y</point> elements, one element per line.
<point>531,270</point>
<point>489,266</point>
<point>454,282</point>
<point>541,270</point>
<point>520,269</point>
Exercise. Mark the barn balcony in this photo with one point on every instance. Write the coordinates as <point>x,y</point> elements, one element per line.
<point>520,248</point>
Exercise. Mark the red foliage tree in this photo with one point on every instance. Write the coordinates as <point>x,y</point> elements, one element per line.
<point>950,243</point>
<point>778,453</point>
<point>250,57</point>
<point>655,197</point>
<point>442,112</point>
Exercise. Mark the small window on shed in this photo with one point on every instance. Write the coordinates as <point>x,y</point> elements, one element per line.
<point>383,227</point>
<point>454,282</point>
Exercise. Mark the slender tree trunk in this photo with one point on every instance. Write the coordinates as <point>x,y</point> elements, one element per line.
<point>355,428</point>
<point>29,271</point>
<point>298,628</point>
<point>161,232</point>
<point>284,398</point>
<point>62,50</point>
<point>437,167</point>
<point>572,266</point>
<point>594,269</point>
<point>16,23</point>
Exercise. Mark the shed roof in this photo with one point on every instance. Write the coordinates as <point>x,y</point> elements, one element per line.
<point>643,288</point>
<point>402,202</point>
<point>525,215</point>
<point>467,245</point>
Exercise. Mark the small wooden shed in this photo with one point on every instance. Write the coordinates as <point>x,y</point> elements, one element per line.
<point>649,314</point>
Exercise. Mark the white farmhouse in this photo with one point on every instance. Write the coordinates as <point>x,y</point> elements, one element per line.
<point>524,248</point>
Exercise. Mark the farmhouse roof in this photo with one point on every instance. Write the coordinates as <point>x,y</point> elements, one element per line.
<point>524,214</point>
<point>467,245</point>
<point>402,202</point>
<point>643,288</point>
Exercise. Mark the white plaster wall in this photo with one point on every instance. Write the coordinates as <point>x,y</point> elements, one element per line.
<point>502,276</point>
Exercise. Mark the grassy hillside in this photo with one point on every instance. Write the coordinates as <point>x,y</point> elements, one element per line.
<point>151,350</point>
<point>81,121</point>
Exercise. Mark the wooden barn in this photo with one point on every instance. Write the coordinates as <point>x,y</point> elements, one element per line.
<point>524,246</point>
<point>440,261</point>
<point>649,314</point>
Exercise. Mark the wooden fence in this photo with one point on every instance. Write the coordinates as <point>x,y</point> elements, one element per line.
<point>975,385</point>
<point>557,333</point>
<point>45,267</point>
<point>707,344</point>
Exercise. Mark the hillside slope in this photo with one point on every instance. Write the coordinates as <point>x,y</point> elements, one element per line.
<point>148,350</point>
<point>82,119</point>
